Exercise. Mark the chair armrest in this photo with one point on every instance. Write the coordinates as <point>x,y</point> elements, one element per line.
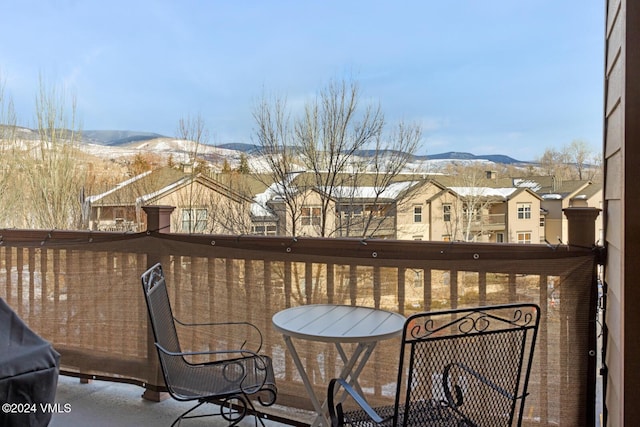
<point>249,325</point>
<point>242,352</point>
<point>261,362</point>
<point>335,411</point>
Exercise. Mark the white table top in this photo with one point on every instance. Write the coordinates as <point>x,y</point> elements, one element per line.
<point>338,323</point>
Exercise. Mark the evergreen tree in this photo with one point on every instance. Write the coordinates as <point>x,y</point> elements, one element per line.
<point>226,168</point>
<point>244,164</point>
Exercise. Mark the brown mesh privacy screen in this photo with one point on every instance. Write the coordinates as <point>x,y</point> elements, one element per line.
<point>82,292</point>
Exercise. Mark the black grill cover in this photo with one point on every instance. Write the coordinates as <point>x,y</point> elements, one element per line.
<point>28,373</point>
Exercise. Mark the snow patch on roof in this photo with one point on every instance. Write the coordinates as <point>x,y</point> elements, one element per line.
<point>484,191</point>
<point>92,199</point>
<point>259,207</point>
<point>146,197</point>
<point>527,183</point>
<point>391,192</point>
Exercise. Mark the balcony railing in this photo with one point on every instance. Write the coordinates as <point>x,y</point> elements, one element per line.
<point>489,222</point>
<point>118,225</point>
<point>81,291</point>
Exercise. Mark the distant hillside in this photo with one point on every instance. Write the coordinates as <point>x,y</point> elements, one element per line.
<point>117,137</point>
<point>104,141</point>
<point>240,146</point>
<point>454,155</point>
<point>451,155</point>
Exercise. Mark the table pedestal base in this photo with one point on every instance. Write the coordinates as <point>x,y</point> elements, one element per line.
<point>352,366</point>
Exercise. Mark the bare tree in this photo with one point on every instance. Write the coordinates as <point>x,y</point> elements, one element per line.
<point>550,162</point>
<point>208,205</point>
<point>378,177</point>
<point>330,134</point>
<point>231,207</point>
<point>192,131</point>
<point>469,203</point>
<point>581,159</point>
<point>53,174</point>
<point>8,161</point>
<point>278,149</point>
<point>343,148</point>
<point>573,161</point>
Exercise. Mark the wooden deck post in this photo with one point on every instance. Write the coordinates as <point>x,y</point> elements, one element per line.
<point>158,218</point>
<point>158,221</point>
<point>582,230</point>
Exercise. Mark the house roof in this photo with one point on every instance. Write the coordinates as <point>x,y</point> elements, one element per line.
<point>150,185</point>
<point>484,192</point>
<point>549,187</point>
<point>589,191</point>
<point>127,192</point>
<point>390,193</point>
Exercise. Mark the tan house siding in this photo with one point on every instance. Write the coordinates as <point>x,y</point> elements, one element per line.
<point>224,215</point>
<point>313,202</point>
<point>307,217</point>
<point>554,221</point>
<point>584,195</point>
<point>444,223</point>
<point>120,209</point>
<point>523,221</point>
<point>407,228</point>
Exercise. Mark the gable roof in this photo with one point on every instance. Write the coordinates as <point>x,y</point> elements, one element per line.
<point>549,187</point>
<point>151,185</point>
<point>127,192</point>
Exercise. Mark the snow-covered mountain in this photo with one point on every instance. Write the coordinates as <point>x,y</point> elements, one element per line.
<point>118,144</point>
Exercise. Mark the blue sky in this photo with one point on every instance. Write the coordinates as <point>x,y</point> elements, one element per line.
<point>483,76</point>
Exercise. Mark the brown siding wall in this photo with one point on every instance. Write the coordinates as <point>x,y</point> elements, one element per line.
<point>622,197</point>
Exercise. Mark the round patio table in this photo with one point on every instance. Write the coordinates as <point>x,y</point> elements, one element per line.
<point>337,324</point>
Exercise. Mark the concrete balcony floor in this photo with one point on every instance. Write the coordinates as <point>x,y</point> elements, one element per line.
<point>109,404</point>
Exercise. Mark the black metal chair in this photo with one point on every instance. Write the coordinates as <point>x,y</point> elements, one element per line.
<point>230,378</point>
<point>465,367</point>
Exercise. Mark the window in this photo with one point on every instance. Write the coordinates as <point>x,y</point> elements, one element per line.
<point>524,237</point>
<point>499,237</point>
<point>118,213</point>
<point>349,211</point>
<point>194,220</point>
<point>446,212</point>
<point>417,214</point>
<point>446,237</point>
<point>524,210</point>
<point>311,215</point>
<point>470,213</point>
<point>542,221</point>
<point>264,230</point>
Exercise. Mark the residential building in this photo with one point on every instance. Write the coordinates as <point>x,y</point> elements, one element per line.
<point>479,214</point>
<point>203,204</point>
<point>558,195</point>
<point>437,208</point>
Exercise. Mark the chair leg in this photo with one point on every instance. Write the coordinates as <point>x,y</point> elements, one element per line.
<point>184,414</point>
<point>255,413</point>
<point>242,408</point>
<point>247,406</point>
<point>241,411</point>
